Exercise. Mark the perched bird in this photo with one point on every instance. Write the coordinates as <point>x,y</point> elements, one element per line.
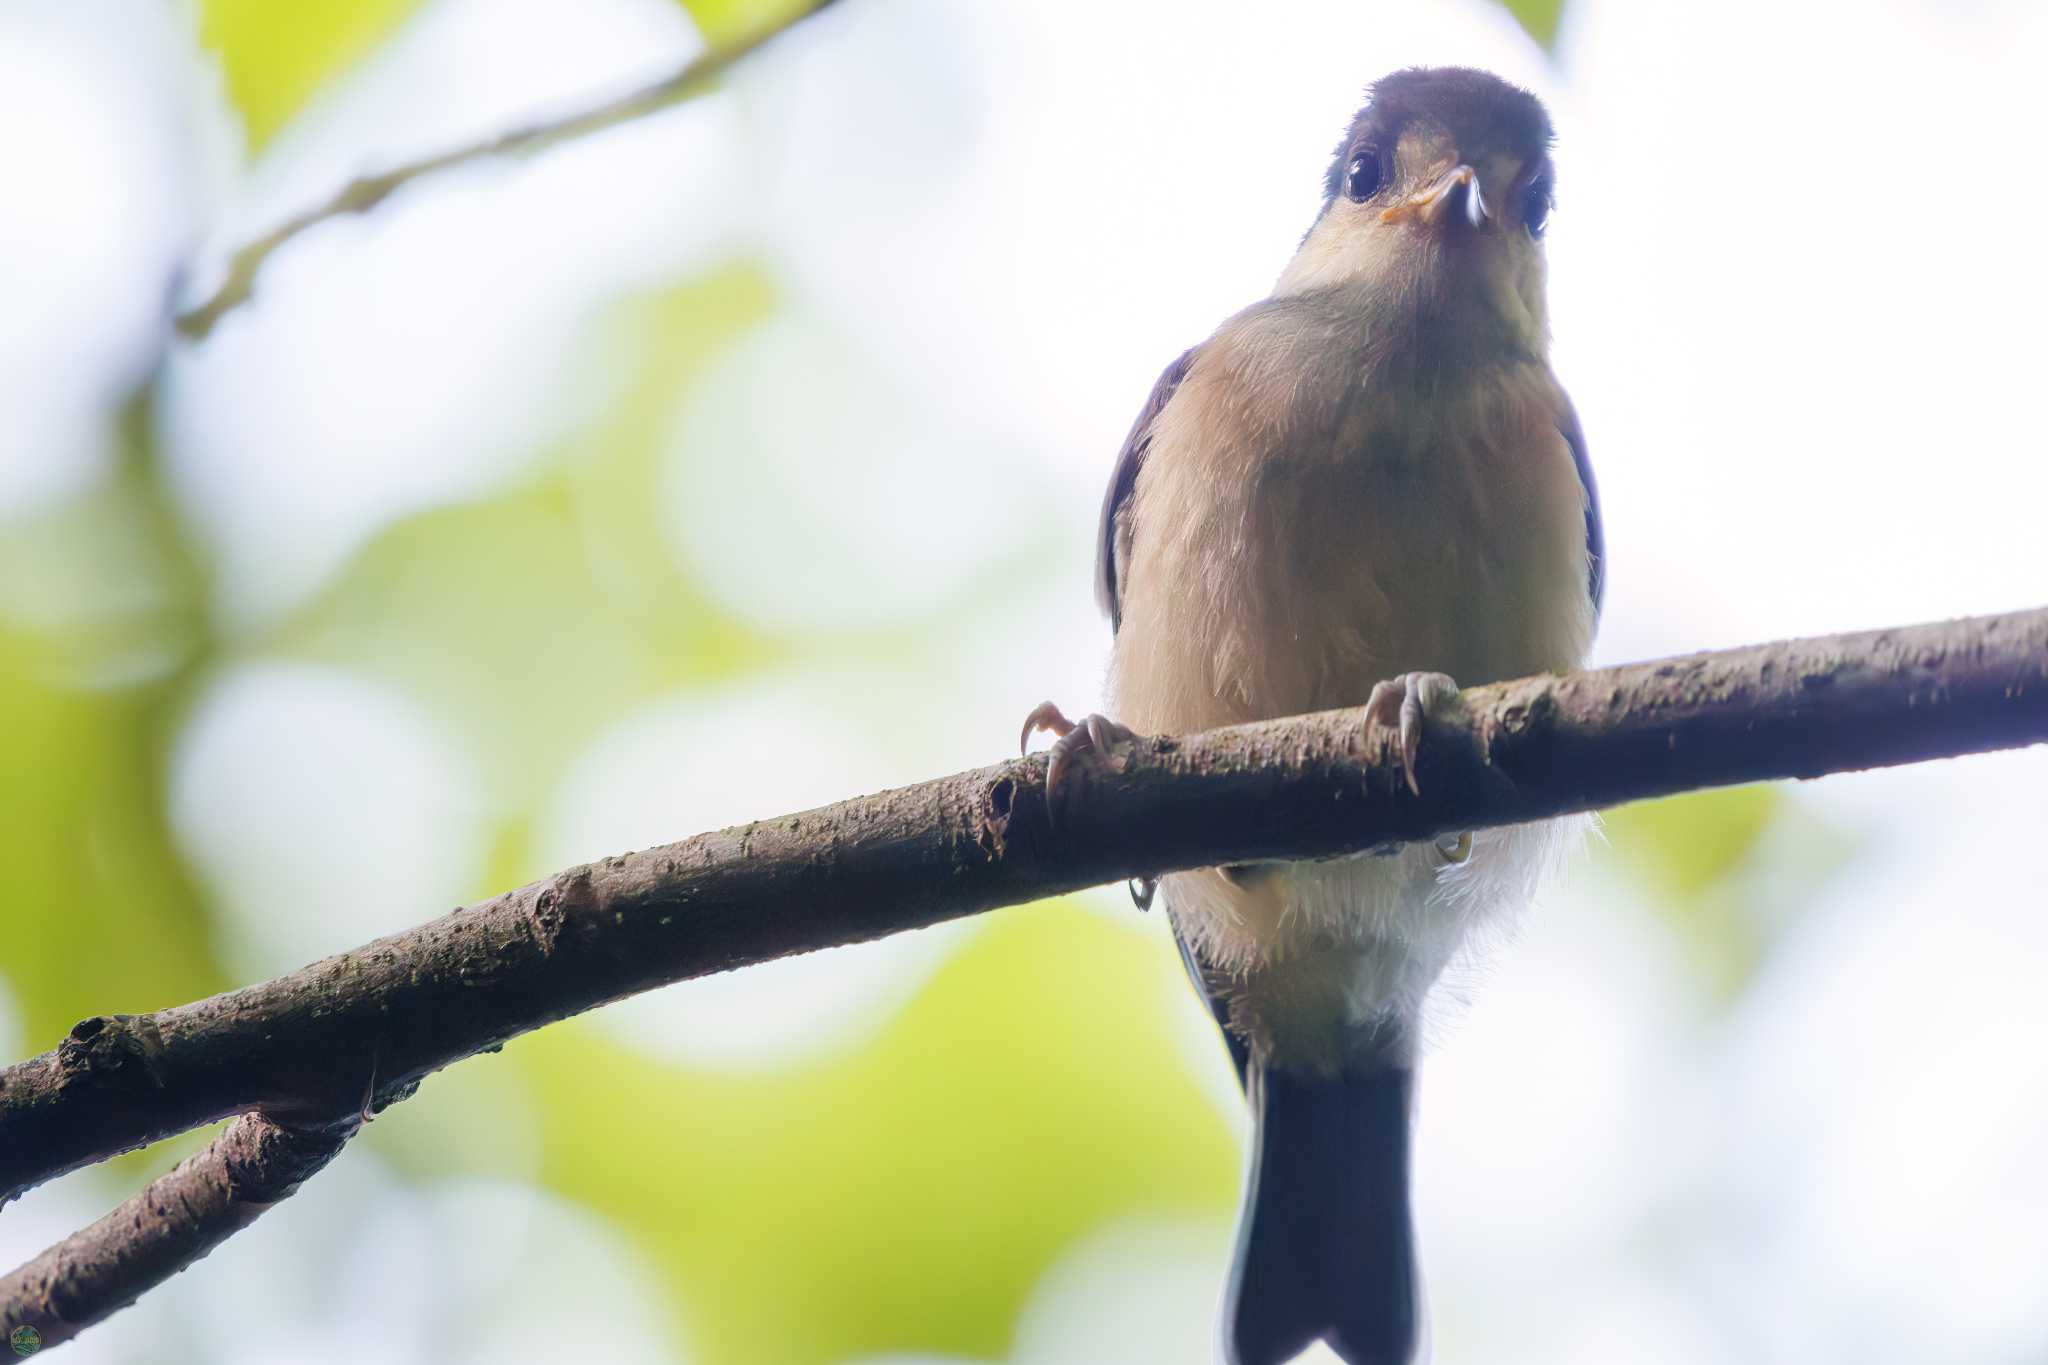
<point>1355,490</point>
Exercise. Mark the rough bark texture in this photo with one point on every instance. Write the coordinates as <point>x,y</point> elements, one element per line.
<point>212,1195</point>
<point>306,1047</point>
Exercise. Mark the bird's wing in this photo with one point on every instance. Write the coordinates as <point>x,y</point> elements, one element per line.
<point>1201,979</point>
<point>1113,540</point>
<point>1112,558</point>
<point>1596,538</point>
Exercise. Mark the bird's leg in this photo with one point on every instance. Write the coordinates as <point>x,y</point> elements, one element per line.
<point>1094,734</point>
<point>1399,706</point>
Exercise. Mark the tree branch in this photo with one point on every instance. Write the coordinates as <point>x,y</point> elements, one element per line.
<point>211,1196</point>
<point>306,1049</point>
<point>367,192</point>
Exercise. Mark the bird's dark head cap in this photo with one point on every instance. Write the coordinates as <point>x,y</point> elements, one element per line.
<point>1477,108</point>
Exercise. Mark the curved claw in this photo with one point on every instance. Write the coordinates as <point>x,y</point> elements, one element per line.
<point>1106,732</point>
<point>1096,734</point>
<point>1044,716</point>
<point>1059,762</point>
<point>363,1113</point>
<point>1142,890</point>
<point>1401,705</point>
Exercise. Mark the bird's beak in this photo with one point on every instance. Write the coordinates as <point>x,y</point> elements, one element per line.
<point>1457,186</point>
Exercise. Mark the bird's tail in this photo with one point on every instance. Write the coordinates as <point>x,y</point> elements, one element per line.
<point>1325,1245</point>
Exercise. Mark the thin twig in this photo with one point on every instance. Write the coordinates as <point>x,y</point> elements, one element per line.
<point>211,1196</point>
<point>367,192</point>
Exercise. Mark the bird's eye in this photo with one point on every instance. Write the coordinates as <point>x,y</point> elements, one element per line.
<point>1363,177</point>
<point>1536,206</point>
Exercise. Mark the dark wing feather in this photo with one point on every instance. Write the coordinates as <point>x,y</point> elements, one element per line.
<point>1199,978</point>
<point>1596,539</point>
<point>1113,538</point>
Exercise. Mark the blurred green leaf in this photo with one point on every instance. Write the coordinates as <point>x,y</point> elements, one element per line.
<point>98,914</point>
<point>526,623</point>
<point>1683,845</point>
<point>1685,852</point>
<point>103,624</point>
<point>1539,17</point>
<point>908,1196</point>
<point>722,21</point>
<point>102,620</point>
<point>276,56</point>
<point>1727,868</point>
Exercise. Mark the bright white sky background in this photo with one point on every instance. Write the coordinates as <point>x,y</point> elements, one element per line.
<point>1797,290</point>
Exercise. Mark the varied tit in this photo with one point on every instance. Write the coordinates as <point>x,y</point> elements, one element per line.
<point>1354,491</point>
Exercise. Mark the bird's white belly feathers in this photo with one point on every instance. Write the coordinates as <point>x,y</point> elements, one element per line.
<point>1293,563</point>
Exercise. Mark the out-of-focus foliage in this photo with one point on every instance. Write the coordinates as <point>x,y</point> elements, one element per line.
<point>1686,844</point>
<point>1726,867</point>
<point>104,616</point>
<point>277,56</point>
<point>1539,17</point>
<point>525,623</point>
<point>104,918</point>
<point>721,21</point>
<point>908,1195</point>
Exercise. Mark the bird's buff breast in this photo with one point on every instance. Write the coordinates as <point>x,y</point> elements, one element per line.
<point>1301,534</point>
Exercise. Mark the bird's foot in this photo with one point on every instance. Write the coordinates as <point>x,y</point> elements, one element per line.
<point>1396,711</point>
<point>1076,745</point>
